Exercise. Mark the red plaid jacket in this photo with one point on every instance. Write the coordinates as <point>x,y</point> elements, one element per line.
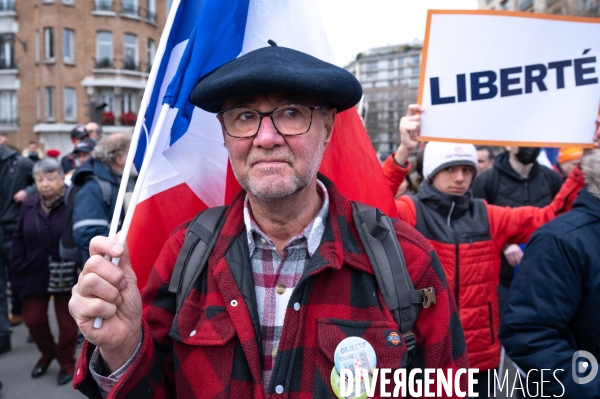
<point>214,352</point>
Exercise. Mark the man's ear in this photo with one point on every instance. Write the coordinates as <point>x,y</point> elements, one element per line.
<point>328,123</point>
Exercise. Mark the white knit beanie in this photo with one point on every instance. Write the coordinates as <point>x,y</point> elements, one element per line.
<point>440,155</point>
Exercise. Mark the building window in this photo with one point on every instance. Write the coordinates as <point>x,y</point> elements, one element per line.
<point>37,46</point>
<point>415,71</point>
<point>7,54</point>
<point>525,4</point>
<point>70,103</point>
<point>69,2</point>
<point>150,53</point>
<point>8,107</point>
<point>371,66</point>
<point>107,97</point>
<point>38,104</point>
<point>151,11</point>
<point>169,3</point>
<point>128,103</point>
<point>48,44</point>
<point>7,5</point>
<point>130,53</point>
<point>103,5</point>
<point>69,46</point>
<point>130,7</point>
<point>49,103</point>
<point>104,50</point>
<point>371,75</point>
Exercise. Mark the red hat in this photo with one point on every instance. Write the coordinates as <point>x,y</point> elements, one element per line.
<point>53,153</point>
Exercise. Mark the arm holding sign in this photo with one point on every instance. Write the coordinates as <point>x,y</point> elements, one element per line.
<point>397,166</point>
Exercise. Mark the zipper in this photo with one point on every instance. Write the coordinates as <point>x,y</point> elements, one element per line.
<point>450,213</point>
<point>456,270</point>
<point>491,322</point>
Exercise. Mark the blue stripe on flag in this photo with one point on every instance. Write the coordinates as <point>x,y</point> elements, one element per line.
<point>183,26</point>
<point>217,39</point>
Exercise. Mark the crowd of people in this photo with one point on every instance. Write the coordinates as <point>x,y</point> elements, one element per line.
<point>48,217</point>
<point>508,245</point>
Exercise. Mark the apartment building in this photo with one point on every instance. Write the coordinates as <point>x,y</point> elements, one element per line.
<point>390,80</point>
<point>70,54</point>
<point>564,7</point>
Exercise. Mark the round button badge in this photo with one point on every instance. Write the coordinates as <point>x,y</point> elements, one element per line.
<point>335,385</point>
<point>355,353</point>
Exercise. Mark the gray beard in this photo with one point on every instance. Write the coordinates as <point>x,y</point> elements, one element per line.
<point>590,166</point>
<point>275,192</point>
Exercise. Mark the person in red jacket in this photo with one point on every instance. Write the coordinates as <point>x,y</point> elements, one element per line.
<point>467,233</point>
<point>288,278</point>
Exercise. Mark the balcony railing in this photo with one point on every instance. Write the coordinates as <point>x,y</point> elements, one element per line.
<point>105,5</point>
<point>7,5</point>
<point>106,63</point>
<point>151,16</point>
<point>9,121</point>
<point>131,65</point>
<point>130,9</point>
<point>8,65</point>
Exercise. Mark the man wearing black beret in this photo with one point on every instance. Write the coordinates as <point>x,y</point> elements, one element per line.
<point>287,279</point>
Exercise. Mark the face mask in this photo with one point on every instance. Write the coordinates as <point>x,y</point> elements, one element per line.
<point>527,155</point>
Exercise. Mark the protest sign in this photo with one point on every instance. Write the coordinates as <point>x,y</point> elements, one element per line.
<point>510,78</point>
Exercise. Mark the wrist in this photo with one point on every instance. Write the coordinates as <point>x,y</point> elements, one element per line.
<point>401,155</point>
<point>115,358</point>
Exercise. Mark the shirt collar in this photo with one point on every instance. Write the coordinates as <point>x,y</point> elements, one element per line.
<point>312,233</point>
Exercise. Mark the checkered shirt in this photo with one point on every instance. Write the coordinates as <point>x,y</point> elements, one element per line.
<point>270,269</point>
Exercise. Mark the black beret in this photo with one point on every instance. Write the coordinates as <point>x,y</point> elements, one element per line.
<point>271,69</point>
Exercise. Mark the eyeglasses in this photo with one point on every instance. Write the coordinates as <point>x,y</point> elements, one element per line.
<point>289,120</point>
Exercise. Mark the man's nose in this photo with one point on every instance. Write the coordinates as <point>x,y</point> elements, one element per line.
<point>459,176</point>
<point>267,136</point>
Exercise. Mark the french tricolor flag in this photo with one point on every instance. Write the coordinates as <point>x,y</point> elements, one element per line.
<point>184,165</point>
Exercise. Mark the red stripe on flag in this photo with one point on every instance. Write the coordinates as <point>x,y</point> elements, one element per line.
<point>352,164</point>
<point>155,218</point>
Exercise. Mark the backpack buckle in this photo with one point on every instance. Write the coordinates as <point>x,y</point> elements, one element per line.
<point>428,297</point>
<point>410,341</point>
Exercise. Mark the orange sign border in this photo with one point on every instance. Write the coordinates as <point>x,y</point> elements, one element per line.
<point>518,14</point>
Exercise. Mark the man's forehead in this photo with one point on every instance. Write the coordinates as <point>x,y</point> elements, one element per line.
<point>276,98</point>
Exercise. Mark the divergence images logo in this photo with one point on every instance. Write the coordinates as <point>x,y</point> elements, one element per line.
<point>581,367</point>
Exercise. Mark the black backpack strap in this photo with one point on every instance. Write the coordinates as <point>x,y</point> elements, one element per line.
<point>385,254</point>
<point>105,189</point>
<point>199,242</point>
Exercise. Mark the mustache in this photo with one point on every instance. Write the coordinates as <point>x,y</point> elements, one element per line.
<point>280,155</point>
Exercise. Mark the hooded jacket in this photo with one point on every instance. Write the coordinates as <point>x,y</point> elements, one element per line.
<point>546,322</point>
<point>15,175</point>
<point>91,214</point>
<point>213,350</point>
<point>513,190</point>
<point>468,234</point>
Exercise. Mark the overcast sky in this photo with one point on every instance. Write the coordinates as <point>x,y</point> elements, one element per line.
<point>356,25</point>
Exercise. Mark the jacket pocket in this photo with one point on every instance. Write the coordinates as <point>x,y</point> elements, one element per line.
<point>205,347</point>
<point>491,316</point>
<point>383,336</point>
<point>203,327</point>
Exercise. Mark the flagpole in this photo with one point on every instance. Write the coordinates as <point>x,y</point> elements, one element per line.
<point>160,52</point>
<point>135,196</point>
<point>135,138</point>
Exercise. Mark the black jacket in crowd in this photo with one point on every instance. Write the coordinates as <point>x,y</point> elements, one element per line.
<point>502,186</point>
<point>15,175</point>
<point>553,310</point>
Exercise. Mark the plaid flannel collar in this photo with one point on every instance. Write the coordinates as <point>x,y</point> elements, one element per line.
<point>312,233</point>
